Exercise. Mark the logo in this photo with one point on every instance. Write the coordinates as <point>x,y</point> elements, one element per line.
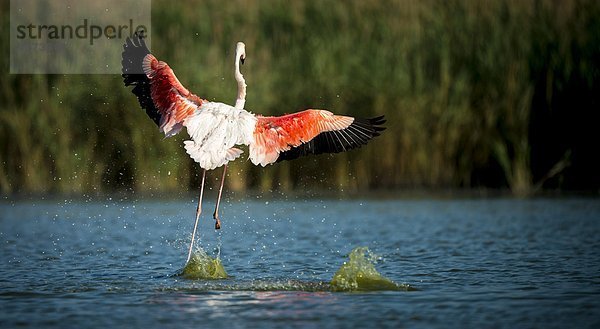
<point>74,37</point>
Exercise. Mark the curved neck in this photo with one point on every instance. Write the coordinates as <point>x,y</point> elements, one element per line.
<point>240,55</point>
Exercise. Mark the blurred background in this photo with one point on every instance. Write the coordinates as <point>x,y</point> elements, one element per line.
<point>479,95</point>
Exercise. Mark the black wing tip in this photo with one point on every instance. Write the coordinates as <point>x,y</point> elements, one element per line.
<point>135,44</point>
<point>376,124</point>
<point>377,121</point>
<point>134,51</point>
<point>359,133</point>
<point>373,124</point>
<point>137,40</point>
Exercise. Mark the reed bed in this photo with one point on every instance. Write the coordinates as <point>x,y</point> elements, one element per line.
<point>492,94</point>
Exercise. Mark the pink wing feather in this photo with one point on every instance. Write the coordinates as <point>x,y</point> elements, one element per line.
<point>174,102</point>
<point>309,132</point>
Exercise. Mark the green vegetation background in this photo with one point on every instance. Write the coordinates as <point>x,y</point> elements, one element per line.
<point>478,94</point>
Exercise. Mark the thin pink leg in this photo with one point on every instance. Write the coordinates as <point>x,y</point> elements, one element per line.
<point>216,213</point>
<point>198,212</point>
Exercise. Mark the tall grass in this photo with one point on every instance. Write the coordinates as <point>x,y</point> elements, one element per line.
<point>459,81</point>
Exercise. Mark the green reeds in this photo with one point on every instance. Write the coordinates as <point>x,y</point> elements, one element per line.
<point>457,80</point>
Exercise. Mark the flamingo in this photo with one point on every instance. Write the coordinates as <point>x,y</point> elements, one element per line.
<point>216,129</point>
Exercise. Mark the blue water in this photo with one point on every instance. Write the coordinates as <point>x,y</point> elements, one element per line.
<point>475,263</point>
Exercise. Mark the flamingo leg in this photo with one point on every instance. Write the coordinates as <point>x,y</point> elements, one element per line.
<point>198,212</point>
<point>216,213</point>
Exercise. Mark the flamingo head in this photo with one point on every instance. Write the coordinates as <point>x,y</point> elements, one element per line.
<point>240,52</point>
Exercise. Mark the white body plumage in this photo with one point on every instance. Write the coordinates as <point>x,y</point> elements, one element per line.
<point>215,128</point>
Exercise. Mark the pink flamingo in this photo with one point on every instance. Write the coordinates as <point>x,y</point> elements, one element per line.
<point>216,129</point>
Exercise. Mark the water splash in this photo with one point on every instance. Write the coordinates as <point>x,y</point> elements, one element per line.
<point>359,274</point>
<point>203,266</point>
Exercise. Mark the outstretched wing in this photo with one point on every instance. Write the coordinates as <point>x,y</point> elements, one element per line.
<point>309,132</point>
<point>166,101</point>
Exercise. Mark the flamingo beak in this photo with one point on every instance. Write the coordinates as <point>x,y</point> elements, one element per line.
<point>242,58</point>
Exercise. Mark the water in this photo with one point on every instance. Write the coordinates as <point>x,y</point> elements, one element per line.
<point>472,263</point>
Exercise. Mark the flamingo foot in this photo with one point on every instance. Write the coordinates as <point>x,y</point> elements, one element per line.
<point>217,221</point>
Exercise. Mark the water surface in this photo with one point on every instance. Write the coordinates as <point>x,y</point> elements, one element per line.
<point>474,263</point>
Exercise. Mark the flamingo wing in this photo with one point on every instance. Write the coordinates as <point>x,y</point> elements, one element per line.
<point>309,132</point>
<point>166,101</point>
